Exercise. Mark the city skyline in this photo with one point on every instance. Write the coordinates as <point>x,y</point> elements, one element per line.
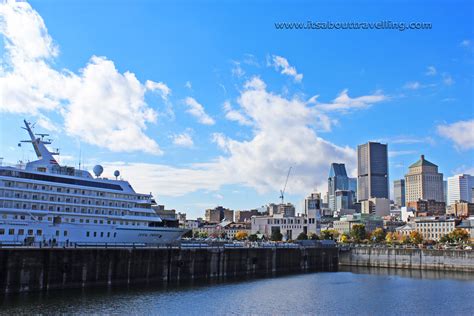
<point>207,122</point>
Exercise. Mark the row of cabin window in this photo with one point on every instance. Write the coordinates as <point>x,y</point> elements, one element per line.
<point>88,234</point>
<point>30,232</point>
<point>68,190</point>
<point>67,199</point>
<point>83,210</point>
<point>81,220</point>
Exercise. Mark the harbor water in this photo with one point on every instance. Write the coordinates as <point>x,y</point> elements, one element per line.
<point>350,291</point>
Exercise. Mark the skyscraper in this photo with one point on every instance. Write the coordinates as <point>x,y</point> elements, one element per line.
<point>399,192</point>
<point>337,180</point>
<point>424,182</point>
<point>460,188</point>
<point>372,171</point>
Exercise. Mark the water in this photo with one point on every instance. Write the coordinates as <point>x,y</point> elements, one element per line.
<point>351,292</point>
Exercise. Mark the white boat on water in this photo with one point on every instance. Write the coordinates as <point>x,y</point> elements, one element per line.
<point>44,203</point>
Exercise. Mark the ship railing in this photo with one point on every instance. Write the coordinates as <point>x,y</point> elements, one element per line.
<point>171,245</point>
<point>18,165</point>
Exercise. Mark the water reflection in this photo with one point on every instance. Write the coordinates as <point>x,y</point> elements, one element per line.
<point>350,291</point>
<point>411,273</point>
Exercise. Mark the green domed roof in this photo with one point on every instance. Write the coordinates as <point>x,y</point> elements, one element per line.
<point>423,162</point>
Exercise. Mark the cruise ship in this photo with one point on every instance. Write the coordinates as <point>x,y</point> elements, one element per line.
<point>44,203</point>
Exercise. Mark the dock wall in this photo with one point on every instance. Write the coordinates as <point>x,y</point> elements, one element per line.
<point>24,270</point>
<point>426,259</point>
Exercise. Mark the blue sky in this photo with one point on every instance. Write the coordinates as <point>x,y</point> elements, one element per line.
<point>205,103</point>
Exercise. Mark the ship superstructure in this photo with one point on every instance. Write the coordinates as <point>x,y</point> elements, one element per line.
<point>44,202</point>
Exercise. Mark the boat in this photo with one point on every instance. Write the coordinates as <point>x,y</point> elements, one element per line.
<point>44,203</point>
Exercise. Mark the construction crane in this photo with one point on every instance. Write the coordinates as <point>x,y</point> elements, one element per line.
<point>282,192</point>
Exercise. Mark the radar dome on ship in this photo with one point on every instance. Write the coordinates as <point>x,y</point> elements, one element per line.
<point>98,169</point>
<point>116,173</point>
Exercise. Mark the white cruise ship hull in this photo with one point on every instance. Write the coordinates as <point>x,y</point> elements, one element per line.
<point>34,232</point>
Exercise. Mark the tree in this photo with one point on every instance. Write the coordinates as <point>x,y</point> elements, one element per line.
<point>241,235</point>
<point>203,235</point>
<point>344,238</point>
<point>188,234</point>
<point>276,235</point>
<point>313,236</point>
<point>416,238</point>
<point>330,234</point>
<point>459,235</point>
<point>253,237</point>
<point>378,235</point>
<point>302,236</point>
<point>358,232</point>
<point>405,240</point>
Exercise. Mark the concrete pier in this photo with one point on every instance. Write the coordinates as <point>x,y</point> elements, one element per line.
<point>24,270</point>
<point>423,259</point>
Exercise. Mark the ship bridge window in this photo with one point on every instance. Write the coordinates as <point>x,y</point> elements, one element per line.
<point>30,232</point>
<point>2,231</point>
<point>21,232</point>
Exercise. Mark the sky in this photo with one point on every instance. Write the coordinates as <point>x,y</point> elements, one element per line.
<point>207,103</point>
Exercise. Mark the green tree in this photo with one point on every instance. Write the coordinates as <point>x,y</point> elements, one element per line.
<point>344,238</point>
<point>276,235</point>
<point>378,235</point>
<point>253,237</point>
<point>458,235</point>
<point>329,234</point>
<point>404,239</point>
<point>313,236</point>
<point>188,234</point>
<point>358,232</point>
<point>302,236</point>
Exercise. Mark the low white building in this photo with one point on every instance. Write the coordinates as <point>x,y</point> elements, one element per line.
<point>289,226</point>
<point>433,228</point>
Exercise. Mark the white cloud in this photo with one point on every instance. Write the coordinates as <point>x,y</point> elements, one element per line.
<point>465,43</point>
<point>447,79</point>
<point>184,139</point>
<point>237,70</point>
<point>396,153</point>
<point>461,133</point>
<point>167,180</point>
<point>343,102</point>
<point>234,115</point>
<point>284,135</point>
<point>197,110</point>
<point>160,87</point>
<point>408,140</point>
<point>431,71</point>
<point>282,64</point>
<point>414,85</point>
<point>99,105</point>
<point>463,169</point>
